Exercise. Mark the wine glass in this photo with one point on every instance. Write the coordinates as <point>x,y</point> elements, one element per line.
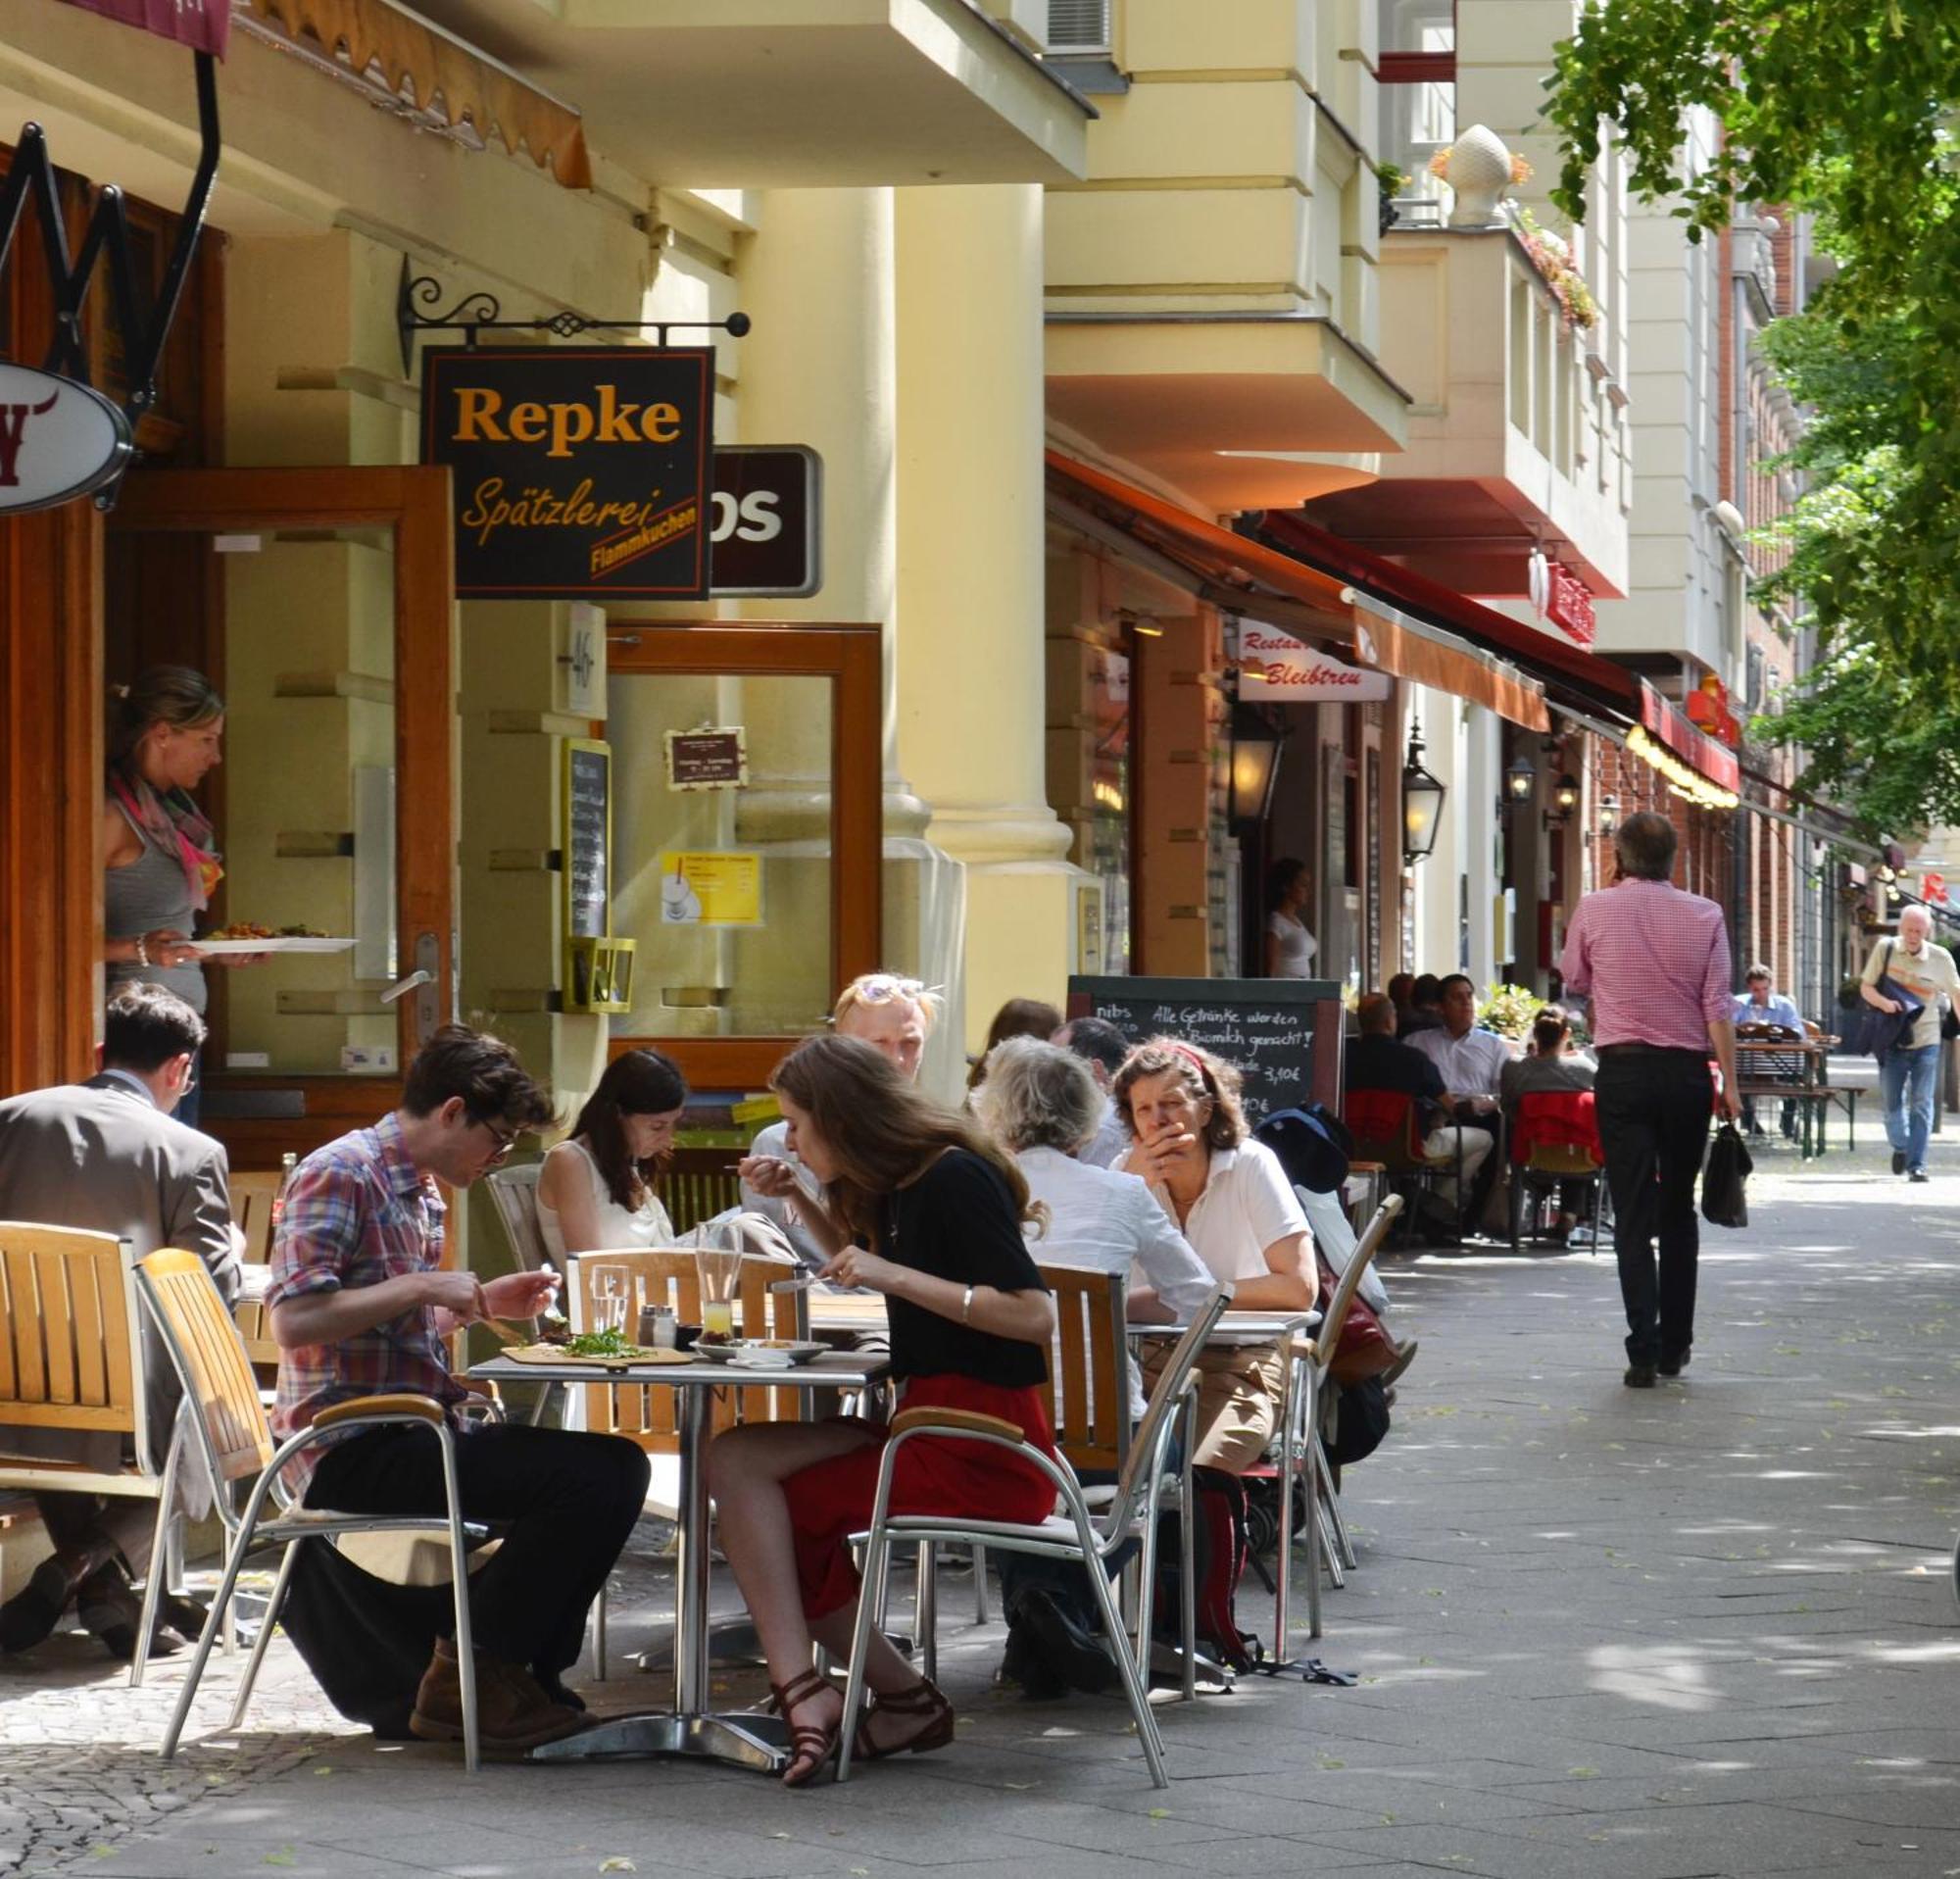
<point>610,1288</point>
<point>717,1260</point>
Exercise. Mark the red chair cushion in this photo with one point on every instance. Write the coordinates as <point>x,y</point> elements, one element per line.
<point>1555,1119</point>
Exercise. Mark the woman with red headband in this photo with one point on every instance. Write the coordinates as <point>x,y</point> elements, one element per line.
<point>1236,1206</point>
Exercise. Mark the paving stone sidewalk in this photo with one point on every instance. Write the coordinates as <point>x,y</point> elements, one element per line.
<point>1703,1630</point>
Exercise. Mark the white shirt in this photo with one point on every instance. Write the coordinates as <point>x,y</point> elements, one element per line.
<point>1472,1064</point>
<point>1297,947</point>
<point>621,1229</point>
<point>775,1141</point>
<point>1248,1203</point>
<point>1111,1140</point>
<point>1103,1222</point>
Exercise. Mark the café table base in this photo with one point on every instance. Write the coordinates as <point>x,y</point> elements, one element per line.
<point>742,1740</point>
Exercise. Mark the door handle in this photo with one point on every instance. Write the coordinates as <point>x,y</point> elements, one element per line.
<point>404,986</point>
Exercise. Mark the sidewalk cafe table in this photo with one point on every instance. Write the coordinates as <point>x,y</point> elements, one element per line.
<point>742,1739</point>
<point>1236,1329</point>
<point>1795,1070</point>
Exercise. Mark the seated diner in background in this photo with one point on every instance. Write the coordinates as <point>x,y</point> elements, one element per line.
<point>361,1305</point>
<point>1552,1065</point>
<point>596,1188</point>
<point>1472,1063</point>
<point>934,1208</point>
<point>1377,1059</point>
<point>1762,1011</point>
<point>1017,1017</point>
<point>1103,1046</point>
<point>1236,1206</point>
<point>1042,1103</point>
<point>894,1015</point>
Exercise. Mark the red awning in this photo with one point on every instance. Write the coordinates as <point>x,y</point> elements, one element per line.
<point>1239,573</point>
<point>1565,668</point>
<point>205,25</point>
<point>1669,723</point>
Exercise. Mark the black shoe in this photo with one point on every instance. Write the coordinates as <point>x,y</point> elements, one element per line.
<point>1898,1160</point>
<point>1918,1175</point>
<point>1674,1366</point>
<point>553,1685</point>
<point>111,1611</point>
<point>33,1612</point>
<point>1640,1377</point>
<point>1023,1663</point>
<point>1072,1654</point>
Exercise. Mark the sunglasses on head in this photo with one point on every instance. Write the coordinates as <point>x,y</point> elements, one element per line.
<point>881,988</point>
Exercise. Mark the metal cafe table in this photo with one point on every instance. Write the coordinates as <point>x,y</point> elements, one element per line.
<point>744,1739</point>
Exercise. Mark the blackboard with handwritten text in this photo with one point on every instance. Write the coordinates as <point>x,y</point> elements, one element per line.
<point>1284,1034</point>
<point>588,839</point>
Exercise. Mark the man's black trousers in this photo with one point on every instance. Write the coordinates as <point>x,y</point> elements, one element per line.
<point>1653,1109</point>
<point>563,1501</point>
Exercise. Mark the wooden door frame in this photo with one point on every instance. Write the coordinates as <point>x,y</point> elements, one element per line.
<point>851,658</point>
<point>411,502</point>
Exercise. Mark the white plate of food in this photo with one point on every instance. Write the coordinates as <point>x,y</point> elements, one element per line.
<point>244,937</point>
<point>770,1354</point>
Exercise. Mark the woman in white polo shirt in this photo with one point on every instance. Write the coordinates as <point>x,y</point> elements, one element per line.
<point>1236,1206</point>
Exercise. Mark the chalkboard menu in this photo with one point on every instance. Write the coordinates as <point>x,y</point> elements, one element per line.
<point>1284,1034</point>
<point>588,839</point>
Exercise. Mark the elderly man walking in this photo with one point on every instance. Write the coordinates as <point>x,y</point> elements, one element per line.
<point>1654,961</point>
<point>1908,1072</point>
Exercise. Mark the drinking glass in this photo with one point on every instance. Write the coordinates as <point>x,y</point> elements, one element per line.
<point>718,1263</point>
<point>610,1286</point>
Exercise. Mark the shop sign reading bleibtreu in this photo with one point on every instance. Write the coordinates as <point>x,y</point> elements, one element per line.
<point>1275,669</point>
<point>581,473</point>
<point>58,439</point>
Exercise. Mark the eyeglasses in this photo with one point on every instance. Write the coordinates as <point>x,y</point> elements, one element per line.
<point>505,1143</point>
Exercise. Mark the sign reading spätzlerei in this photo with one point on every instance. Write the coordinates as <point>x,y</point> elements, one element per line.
<point>1276,669</point>
<point>59,439</point>
<point>581,473</point>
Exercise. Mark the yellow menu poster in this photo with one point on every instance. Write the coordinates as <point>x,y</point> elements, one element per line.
<point>710,887</point>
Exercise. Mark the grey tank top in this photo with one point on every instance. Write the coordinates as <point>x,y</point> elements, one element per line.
<point>150,893</point>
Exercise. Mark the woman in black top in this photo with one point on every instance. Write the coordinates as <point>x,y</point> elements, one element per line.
<point>936,1208</point>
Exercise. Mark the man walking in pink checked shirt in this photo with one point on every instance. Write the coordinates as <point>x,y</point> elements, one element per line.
<point>1654,963</point>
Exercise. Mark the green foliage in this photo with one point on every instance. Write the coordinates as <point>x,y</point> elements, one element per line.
<point>1846,109</point>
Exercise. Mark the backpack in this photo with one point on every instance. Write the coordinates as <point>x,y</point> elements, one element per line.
<point>1218,1560</point>
<point>1312,1144</point>
<point>1361,1422</point>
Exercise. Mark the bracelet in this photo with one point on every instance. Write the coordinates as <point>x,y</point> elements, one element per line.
<point>967,1307</point>
<point>142,952</point>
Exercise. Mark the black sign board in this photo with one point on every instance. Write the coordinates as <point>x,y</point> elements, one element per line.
<point>588,839</point>
<point>1284,1034</point>
<point>767,521</point>
<point>707,760</point>
<point>581,473</point>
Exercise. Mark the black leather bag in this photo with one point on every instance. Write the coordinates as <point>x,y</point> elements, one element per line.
<point>1725,1198</point>
<point>1868,1030</point>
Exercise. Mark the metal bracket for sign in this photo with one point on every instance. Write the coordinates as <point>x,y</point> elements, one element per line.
<point>484,313</point>
<point>107,233</point>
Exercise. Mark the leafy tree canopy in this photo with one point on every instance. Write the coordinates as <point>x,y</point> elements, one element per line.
<point>1849,110</point>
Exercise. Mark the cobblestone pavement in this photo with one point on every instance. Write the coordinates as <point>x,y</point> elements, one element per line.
<point>1705,1630</point>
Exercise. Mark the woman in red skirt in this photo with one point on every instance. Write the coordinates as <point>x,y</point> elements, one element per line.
<point>936,1210</point>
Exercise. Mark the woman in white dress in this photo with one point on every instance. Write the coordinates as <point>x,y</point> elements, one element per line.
<point>1290,947</point>
<point>596,1190</point>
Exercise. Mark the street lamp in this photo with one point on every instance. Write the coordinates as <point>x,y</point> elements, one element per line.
<point>1565,795</point>
<point>1609,816</point>
<point>1422,803</point>
<point>1255,765</point>
<point>1520,779</point>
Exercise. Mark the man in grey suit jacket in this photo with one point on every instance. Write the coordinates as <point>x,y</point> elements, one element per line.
<point>106,1155</point>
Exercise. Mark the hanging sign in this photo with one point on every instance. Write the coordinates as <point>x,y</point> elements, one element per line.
<point>581,473</point>
<point>710,758</point>
<point>1275,669</point>
<point>767,521</point>
<point>58,439</point>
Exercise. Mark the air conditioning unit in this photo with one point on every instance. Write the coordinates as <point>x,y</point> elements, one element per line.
<point>1078,25</point>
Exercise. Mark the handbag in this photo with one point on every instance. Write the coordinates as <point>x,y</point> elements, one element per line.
<point>1871,1032</point>
<point>1365,1350</point>
<point>1725,1200</point>
<point>1949,1021</point>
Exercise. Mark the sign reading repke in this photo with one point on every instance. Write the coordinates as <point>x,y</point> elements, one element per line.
<point>580,472</point>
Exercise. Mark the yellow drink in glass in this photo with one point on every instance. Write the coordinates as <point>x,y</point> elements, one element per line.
<point>717,1317</point>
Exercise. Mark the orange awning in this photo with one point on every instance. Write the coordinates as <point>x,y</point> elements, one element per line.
<point>410,58</point>
<point>1239,573</point>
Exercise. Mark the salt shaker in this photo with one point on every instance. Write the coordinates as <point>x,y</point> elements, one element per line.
<point>658,1327</point>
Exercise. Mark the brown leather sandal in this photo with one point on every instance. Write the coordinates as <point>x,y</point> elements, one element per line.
<point>811,1749</point>
<point>924,1698</point>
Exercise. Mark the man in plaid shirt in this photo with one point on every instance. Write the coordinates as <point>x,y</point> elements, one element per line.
<point>360,1306</point>
<point>1654,961</point>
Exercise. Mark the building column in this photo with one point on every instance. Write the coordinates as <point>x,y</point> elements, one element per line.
<point>821,369</point>
<point>971,675</point>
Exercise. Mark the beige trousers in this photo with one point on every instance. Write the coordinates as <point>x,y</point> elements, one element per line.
<point>1240,1392</point>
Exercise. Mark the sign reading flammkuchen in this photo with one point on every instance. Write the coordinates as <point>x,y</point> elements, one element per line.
<point>580,472</point>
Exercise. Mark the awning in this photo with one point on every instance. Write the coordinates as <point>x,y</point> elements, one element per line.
<point>1565,668</point>
<point>1236,572</point>
<point>205,25</point>
<point>411,59</point>
<point>1669,725</point>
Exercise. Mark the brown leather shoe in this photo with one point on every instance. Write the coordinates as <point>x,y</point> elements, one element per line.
<point>512,1713</point>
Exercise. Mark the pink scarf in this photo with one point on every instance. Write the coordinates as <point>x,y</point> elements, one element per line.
<point>175,824</point>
